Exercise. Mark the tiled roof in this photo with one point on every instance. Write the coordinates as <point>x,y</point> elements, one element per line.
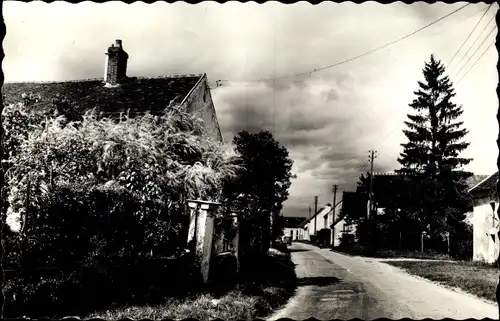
<point>487,185</point>
<point>476,179</point>
<point>293,222</point>
<point>136,94</point>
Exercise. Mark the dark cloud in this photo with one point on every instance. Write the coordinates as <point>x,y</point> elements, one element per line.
<point>328,119</point>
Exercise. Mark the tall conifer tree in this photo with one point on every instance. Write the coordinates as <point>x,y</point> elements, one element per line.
<point>432,154</point>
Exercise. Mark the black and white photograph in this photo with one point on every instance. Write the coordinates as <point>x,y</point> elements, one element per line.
<point>244,161</point>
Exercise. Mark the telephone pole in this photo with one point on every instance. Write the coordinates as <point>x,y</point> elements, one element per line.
<point>370,203</point>
<point>315,212</point>
<point>309,211</point>
<point>334,189</point>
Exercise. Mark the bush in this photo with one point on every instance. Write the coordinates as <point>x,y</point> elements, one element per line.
<point>95,198</point>
<point>223,270</point>
<point>358,249</point>
<point>347,241</point>
<point>464,250</point>
<point>59,293</point>
<point>83,178</point>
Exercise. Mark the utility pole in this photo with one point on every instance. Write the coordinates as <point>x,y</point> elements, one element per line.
<point>370,203</point>
<point>309,211</point>
<point>315,212</point>
<point>334,189</point>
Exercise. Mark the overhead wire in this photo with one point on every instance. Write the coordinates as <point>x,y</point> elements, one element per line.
<point>385,141</point>
<point>477,60</point>
<point>470,34</point>
<point>361,55</point>
<point>484,13</point>
<point>477,38</point>
<point>485,38</point>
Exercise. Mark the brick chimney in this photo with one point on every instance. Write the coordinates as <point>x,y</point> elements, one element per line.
<point>116,64</point>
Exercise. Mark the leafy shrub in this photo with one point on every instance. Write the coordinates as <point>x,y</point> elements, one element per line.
<point>346,240</point>
<point>137,171</point>
<point>362,250</point>
<point>59,293</point>
<point>89,195</point>
<point>464,250</point>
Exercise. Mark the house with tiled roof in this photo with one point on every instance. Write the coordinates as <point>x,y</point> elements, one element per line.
<point>323,219</point>
<point>292,227</point>
<point>484,220</point>
<point>117,94</point>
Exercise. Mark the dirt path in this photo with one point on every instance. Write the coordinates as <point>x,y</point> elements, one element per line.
<point>332,285</point>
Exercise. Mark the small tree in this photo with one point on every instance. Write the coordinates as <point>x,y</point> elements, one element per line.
<point>261,187</point>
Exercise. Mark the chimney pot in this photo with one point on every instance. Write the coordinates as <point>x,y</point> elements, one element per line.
<point>116,63</point>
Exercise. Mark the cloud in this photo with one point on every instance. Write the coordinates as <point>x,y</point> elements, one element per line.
<point>328,120</point>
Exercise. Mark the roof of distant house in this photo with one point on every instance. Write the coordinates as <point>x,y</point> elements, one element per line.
<point>323,211</point>
<point>476,179</point>
<point>133,95</point>
<point>489,184</point>
<point>293,222</point>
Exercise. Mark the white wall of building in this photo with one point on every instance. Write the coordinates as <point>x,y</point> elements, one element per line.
<point>321,223</point>
<point>342,228</point>
<point>292,232</point>
<point>304,233</point>
<point>485,242</point>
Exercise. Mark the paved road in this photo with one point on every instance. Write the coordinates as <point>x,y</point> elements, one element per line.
<point>332,285</point>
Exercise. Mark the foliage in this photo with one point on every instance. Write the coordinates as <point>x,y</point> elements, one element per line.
<point>139,171</point>
<point>431,155</point>
<point>261,186</point>
<point>346,240</point>
<point>57,293</point>
<point>430,194</point>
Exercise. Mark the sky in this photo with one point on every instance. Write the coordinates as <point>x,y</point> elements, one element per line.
<point>328,119</point>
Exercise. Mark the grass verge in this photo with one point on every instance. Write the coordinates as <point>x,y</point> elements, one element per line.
<point>235,305</point>
<point>474,278</point>
<point>386,254</point>
<point>267,285</point>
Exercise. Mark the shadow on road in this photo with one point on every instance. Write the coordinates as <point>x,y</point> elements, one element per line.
<point>298,250</point>
<point>318,281</point>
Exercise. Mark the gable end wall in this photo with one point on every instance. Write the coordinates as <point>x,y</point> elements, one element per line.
<point>200,103</point>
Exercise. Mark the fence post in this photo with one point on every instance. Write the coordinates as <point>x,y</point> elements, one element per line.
<point>448,242</point>
<point>201,231</point>
<point>422,242</point>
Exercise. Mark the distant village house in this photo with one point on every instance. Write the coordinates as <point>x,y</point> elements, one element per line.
<point>292,227</point>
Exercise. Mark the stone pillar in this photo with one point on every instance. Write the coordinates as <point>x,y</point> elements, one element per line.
<point>201,231</point>
<point>237,243</point>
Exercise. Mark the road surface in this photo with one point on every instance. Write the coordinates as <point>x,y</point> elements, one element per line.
<point>332,285</point>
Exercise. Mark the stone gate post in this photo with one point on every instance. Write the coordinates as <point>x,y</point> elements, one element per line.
<point>201,231</point>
